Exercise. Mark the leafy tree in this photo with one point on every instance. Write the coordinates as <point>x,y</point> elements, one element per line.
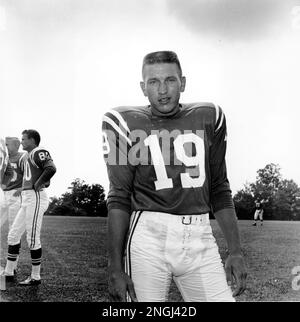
<point>286,201</point>
<point>244,202</point>
<point>280,197</point>
<point>81,200</point>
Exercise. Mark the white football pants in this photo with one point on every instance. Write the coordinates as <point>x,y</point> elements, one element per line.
<point>29,219</point>
<point>163,246</point>
<point>258,214</point>
<point>10,206</point>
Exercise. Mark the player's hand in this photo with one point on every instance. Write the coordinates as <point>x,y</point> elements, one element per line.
<point>119,284</point>
<point>236,273</point>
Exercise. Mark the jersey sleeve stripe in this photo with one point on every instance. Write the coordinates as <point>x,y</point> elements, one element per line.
<point>217,112</point>
<point>120,119</point>
<point>117,128</point>
<point>21,160</point>
<point>31,156</point>
<point>219,117</point>
<point>220,123</point>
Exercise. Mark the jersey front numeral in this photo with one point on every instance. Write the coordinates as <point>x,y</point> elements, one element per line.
<point>27,172</point>
<point>162,182</point>
<point>194,176</point>
<point>105,146</point>
<point>15,175</point>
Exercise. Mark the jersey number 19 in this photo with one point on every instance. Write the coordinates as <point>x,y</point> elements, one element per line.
<point>197,161</point>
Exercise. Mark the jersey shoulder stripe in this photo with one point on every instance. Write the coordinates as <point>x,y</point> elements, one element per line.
<point>219,118</point>
<point>116,124</point>
<point>22,159</point>
<point>120,119</point>
<point>214,112</point>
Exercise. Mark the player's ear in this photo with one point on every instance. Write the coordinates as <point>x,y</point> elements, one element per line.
<point>143,87</point>
<point>183,82</point>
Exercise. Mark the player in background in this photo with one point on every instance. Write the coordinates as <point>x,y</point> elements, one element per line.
<point>12,190</point>
<point>166,167</point>
<point>6,173</point>
<point>38,170</point>
<point>259,211</point>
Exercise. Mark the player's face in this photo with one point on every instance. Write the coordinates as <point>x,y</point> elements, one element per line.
<point>162,85</point>
<point>12,146</point>
<point>28,144</point>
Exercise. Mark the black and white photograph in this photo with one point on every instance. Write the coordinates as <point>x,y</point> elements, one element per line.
<point>149,152</point>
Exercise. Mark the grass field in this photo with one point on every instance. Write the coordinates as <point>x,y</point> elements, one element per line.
<point>74,261</point>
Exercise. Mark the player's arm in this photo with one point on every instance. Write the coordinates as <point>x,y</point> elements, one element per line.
<point>223,207</point>
<point>116,145</point>
<point>234,266</point>
<point>43,159</point>
<point>119,209</point>
<point>119,282</point>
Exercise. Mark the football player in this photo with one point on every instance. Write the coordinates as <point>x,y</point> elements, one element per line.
<point>38,170</point>
<point>167,171</point>
<point>5,169</point>
<point>259,211</point>
<point>12,190</point>
<point>6,173</point>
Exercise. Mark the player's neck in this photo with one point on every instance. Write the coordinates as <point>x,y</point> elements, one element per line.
<point>171,113</point>
<point>29,149</point>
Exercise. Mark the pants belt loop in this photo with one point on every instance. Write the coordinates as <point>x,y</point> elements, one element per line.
<point>187,222</point>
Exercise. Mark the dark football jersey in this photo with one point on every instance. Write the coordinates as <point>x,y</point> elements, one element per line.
<point>167,164</point>
<point>17,163</point>
<point>34,164</point>
<point>258,205</point>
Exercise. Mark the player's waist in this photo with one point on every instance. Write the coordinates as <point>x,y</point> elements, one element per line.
<point>163,217</point>
<point>26,192</point>
<point>13,188</point>
<point>10,191</point>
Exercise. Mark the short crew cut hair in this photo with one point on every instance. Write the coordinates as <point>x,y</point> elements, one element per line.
<point>33,134</point>
<point>158,57</point>
<point>12,138</point>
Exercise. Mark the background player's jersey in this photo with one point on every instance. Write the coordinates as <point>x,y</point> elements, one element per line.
<point>258,206</point>
<point>17,163</point>
<point>167,164</point>
<point>34,164</point>
<point>3,159</point>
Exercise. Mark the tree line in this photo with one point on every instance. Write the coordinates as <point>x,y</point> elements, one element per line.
<point>281,198</point>
<point>82,199</point>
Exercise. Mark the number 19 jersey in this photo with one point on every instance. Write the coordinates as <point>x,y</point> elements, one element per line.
<point>167,164</point>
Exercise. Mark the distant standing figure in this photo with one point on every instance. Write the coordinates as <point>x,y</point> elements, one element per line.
<point>259,211</point>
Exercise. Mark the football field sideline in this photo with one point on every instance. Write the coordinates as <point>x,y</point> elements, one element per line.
<point>75,259</point>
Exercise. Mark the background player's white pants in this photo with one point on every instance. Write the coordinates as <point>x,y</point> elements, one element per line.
<point>258,214</point>
<point>161,247</point>
<point>9,207</point>
<point>29,219</point>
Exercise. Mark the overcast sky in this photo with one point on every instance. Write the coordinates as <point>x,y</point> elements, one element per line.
<point>63,63</point>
